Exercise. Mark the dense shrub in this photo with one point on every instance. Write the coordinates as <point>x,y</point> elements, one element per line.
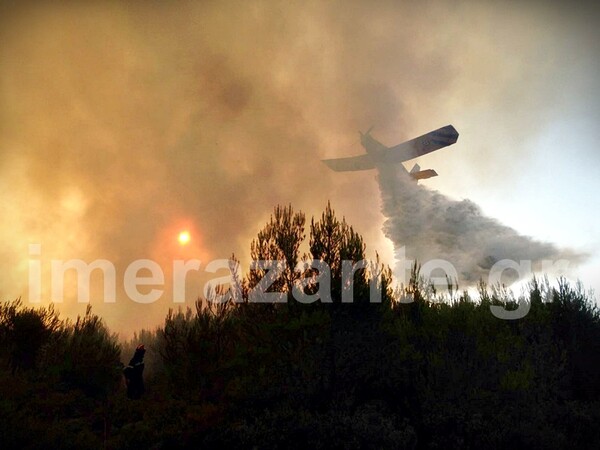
<point>430,371</point>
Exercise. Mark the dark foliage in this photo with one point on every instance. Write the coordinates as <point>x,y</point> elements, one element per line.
<point>415,371</point>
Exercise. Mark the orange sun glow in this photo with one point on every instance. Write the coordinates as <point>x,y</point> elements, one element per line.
<point>184,237</point>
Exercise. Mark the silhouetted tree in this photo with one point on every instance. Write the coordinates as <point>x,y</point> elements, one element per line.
<point>333,242</point>
<point>278,241</point>
<point>84,355</point>
<point>23,332</point>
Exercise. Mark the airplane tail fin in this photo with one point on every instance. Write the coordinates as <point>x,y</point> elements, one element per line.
<point>417,174</point>
<point>365,134</point>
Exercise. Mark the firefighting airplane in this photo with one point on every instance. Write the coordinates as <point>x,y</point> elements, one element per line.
<point>379,155</point>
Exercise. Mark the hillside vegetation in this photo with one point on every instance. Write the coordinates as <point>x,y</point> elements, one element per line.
<point>434,371</point>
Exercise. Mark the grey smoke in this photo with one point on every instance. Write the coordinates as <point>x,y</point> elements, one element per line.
<point>432,226</point>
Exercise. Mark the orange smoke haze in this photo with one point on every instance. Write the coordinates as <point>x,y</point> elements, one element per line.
<point>124,123</point>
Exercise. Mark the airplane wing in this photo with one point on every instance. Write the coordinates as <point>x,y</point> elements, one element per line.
<point>434,140</point>
<point>361,162</point>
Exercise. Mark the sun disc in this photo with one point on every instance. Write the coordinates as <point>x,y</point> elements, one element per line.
<point>184,237</point>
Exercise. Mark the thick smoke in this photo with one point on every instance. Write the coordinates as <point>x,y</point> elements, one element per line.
<point>430,226</point>
<point>123,122</point>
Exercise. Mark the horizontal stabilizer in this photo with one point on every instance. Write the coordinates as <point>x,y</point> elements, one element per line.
<point>423,174</point>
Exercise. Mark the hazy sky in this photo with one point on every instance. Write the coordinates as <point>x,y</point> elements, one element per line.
<point>123,123</point>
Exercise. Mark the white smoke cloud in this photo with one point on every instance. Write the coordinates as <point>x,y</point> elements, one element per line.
<point>431,226</point>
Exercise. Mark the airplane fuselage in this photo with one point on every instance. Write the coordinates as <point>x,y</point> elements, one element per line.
<point>378,155</point>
